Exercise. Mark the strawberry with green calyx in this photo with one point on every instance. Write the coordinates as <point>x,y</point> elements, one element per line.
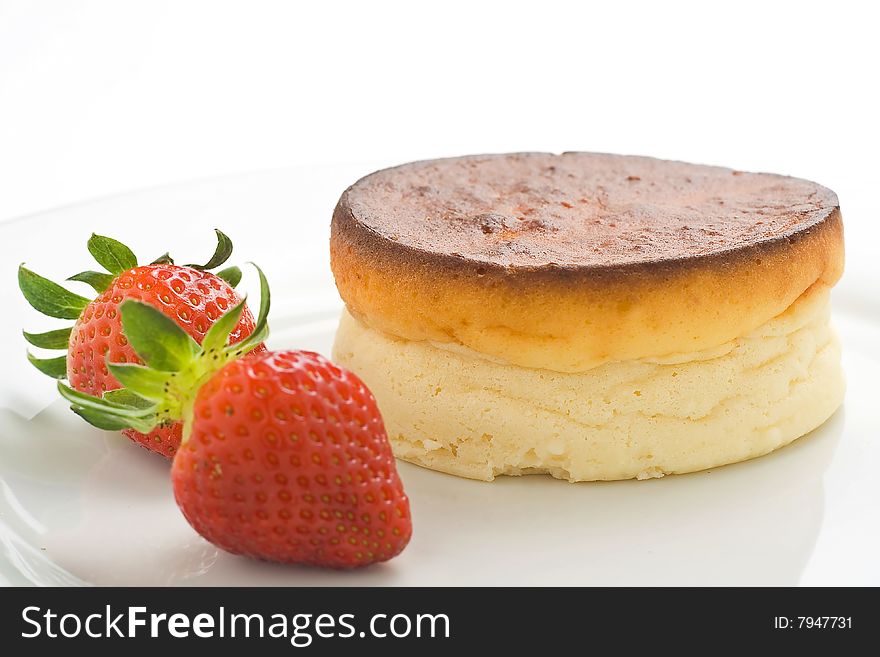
<point>160,392</point>
<point>284,455</point>
<point>288,460</point>
<point>191,296</point>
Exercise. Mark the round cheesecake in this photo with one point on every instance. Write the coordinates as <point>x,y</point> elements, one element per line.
<point>586,315</point>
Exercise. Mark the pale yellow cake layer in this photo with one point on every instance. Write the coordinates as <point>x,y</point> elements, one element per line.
<point>456,411</point>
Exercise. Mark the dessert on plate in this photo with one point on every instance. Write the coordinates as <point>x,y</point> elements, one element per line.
<point>589,316</point>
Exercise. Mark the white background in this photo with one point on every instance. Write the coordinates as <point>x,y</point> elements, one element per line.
<point>105,96</point>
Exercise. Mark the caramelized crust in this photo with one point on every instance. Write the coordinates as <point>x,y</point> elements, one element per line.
<point>568,261</point>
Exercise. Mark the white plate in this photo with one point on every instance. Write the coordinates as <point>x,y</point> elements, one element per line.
<point>79,506</point>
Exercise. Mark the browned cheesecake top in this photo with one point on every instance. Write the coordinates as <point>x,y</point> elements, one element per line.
<point>566,262</point>
<point>578,210</point>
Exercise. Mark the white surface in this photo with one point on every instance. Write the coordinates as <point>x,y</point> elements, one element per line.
<point>81,506</point>
<point>103,96</point>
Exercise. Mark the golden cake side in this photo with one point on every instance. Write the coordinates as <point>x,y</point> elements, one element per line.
<point>456,411</point>
<point>582,309</point>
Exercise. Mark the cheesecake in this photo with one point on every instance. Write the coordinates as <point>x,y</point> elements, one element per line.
<point>589,316</point>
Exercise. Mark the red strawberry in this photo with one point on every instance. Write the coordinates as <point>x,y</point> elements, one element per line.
<point>190,296</point>
<point>284,455</point>
<point>288,460</point>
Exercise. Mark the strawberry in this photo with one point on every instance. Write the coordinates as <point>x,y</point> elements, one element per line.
<point>288,460</point>
<point>190,295</point>
<point>284,455</point>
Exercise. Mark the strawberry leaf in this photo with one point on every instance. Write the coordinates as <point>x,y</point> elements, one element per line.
<point>261,329</point>
<point>54,367</point>
<point>96,279</point>
<point>126,397</point>
<point>231,275</point>
<point>141,418</point>
<point>218,334</point>
<point>221,253</point>
<point>113,256</point>
<point>265,298</point>
<point>148,383</point>
<point>164,259</point>
<point>57,339</point>
<point>156,338</point>
<point>49,298</point>
<point>100,420</point>
<point>97,403</point>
